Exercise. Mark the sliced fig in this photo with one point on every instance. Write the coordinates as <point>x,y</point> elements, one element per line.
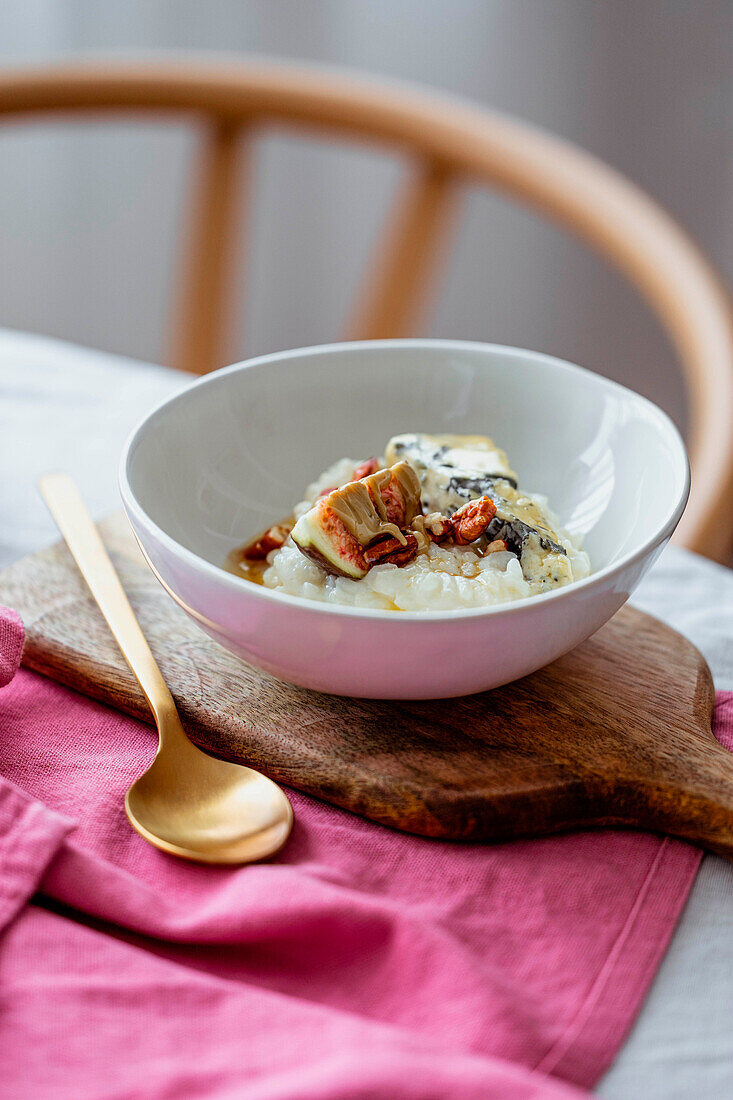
<point>398,489</point>
<point>339,526</point>
<point>324,538</point>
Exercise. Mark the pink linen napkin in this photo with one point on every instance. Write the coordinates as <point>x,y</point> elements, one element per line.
<point>359,963</point>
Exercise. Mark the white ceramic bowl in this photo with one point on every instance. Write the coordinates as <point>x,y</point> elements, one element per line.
<point>231,454</point>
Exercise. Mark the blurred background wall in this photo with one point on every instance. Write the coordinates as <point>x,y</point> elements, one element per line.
<point>88,212</point>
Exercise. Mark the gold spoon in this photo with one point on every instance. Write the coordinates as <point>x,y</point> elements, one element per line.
<point>187,803</point>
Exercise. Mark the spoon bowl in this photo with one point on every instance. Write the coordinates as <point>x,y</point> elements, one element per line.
<point>198,807</point>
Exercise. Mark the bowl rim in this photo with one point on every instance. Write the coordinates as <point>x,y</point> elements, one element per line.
<point>258,592</point>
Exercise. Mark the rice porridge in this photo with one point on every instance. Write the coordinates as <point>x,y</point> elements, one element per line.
<point>437,523</point>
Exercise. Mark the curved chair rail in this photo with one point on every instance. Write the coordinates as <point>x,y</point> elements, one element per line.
<point>448,141</point>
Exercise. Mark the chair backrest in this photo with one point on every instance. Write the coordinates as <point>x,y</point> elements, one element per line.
<point>447,142</point>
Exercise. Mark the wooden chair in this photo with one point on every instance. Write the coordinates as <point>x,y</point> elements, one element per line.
<point>445,142</point>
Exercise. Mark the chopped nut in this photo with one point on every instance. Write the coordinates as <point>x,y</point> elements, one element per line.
<point>390,550</point>
<point>470,521</point>
<point>272,539</point>
<point>438,527</point>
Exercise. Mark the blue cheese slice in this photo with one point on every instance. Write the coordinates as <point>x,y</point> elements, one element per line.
<point>454,469</point>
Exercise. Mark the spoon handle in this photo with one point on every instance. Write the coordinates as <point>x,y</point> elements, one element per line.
<point>82,538</point>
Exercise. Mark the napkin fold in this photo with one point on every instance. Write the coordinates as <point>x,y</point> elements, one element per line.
<point>360,962</point>
<point>12,636</point>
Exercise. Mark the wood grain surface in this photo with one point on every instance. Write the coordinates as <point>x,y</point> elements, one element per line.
<point>615,733</point>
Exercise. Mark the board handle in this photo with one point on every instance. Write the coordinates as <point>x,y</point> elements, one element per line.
<point>695,802</point>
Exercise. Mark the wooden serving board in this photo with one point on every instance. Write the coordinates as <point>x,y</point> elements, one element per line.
<point>615,733</point>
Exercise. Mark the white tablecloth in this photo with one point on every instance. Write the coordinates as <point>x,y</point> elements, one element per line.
<point>64,407</point>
